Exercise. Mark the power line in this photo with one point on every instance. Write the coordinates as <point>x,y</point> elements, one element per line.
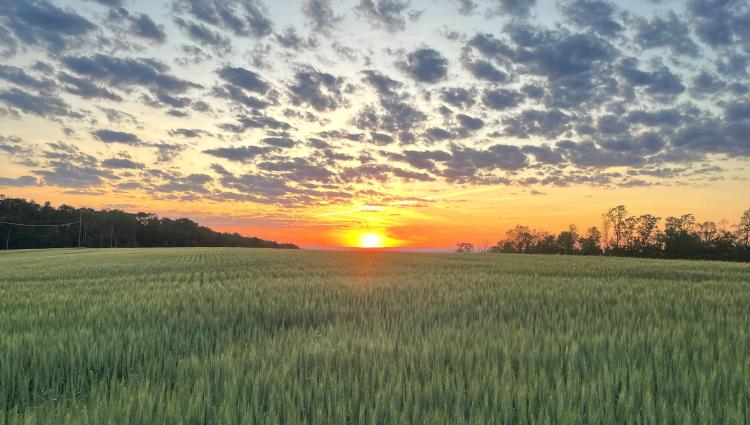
<point>40,225</point>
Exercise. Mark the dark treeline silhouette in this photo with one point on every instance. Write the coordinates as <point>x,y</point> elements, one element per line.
<point>642,236</point>
<point>107,228</point>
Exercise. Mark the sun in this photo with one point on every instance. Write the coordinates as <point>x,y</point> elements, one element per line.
<point>370,240</point>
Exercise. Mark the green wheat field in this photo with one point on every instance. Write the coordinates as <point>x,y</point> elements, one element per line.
<point>242,336</point>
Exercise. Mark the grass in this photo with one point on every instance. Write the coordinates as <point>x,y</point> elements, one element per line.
<point>239,336</point>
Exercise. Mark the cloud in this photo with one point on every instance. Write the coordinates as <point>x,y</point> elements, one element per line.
<point>596,15</point>
<point>239,154</point>
<point>38,22</point>
<point>425,65</point>
<point>247,18</point>
<point>388,14</point>
<point>470,123</point>
<point>518,8</point>
<point>187,133</point>
<point>320,14</point>
<point>85,88</point>
<point>383,84</point>
<point>244,78</point>
<point>122,163</point>
<point>204,35</point>
<point>668,32</point>
<point>501,99</point>
<point>46,105</point>
<point>19,181</point>
<point>458,97</point>
<point>466,7</point>
<point>143,26</point>
<point>255,120</point>
<point>486,71</point>
<point>127,73</point>
<point>320,90</point>
<point>19,77</point>
<point>113,136</point>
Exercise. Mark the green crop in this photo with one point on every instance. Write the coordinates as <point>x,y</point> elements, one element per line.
<point>242,336</point>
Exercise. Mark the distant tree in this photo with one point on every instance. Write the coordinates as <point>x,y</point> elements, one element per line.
<point>590,243</point>
<point>544,243</point>
<point>567,240</point>
<point>743,229</point>
<point>107,228</point>
<point>641,236</point>
<point>646,235</point>
<point>464,247</point>
<point>521,237</point>
<point>616,219</point>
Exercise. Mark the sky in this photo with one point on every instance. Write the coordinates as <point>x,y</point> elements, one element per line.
<point>400,123</point>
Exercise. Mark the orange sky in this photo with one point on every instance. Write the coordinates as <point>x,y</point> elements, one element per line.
<point>475,214</point>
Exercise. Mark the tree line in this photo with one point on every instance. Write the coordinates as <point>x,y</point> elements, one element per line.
<point>44,226</point>
<point>644,236</point>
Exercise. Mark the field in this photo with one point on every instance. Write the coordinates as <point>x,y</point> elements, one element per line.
<point>241,336</point>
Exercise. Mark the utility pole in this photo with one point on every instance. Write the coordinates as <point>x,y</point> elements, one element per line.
<point>111,234</point>
<point>80,228</point>
<point>7,240</point>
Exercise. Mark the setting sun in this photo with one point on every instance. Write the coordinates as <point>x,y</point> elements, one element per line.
<point>370,240</point>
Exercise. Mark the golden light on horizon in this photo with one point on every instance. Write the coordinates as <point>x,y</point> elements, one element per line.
<point>370,240</point>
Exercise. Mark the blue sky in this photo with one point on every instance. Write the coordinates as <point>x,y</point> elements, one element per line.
<point>291,106</point>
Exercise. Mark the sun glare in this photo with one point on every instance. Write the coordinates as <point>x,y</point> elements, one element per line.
<point>370,240</point>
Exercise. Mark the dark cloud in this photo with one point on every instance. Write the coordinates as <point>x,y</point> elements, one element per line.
<point>122,163</point>
<point>596,15</point>
<point>720,23</point>
<point>706,83</point>
<point>383,84</point>
<point>486,71</point>
<point>244,78</point>
<point>320,90</point>
<point>204,35</point>
<point>549,123</point>
<point>458,97</point>
<point>501,98</point>
<point>299,170</point>
<point>518,8</point>
<point>466,164</point>
<point>395,116</point>
<point>45,105</point>
<point>587,154</point>
<point>280,142</point>
<point>85,88</point>
<point>240,96</point>
<point>239,154</point>
<point>668,32</point>
<point>113,136</point>
<point>290,39</point>
<point>425,65</point>
<point>18,181</point>
<point>38,22</point>
<point>241,17</point>
<point>143,26</point>
<point>187,133</point>
<point>127,72</point>
<point>470,123</point>
<point>466,7</point>
<point>436,134</point>
<point>320,14</point>
<point>388,14</point>
<point>255,120</point>
<point>544,154</point>
<point>661,83</point>
<point>19,77</point>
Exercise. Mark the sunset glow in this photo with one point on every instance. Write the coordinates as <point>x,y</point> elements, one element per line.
<point>370,240</point>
